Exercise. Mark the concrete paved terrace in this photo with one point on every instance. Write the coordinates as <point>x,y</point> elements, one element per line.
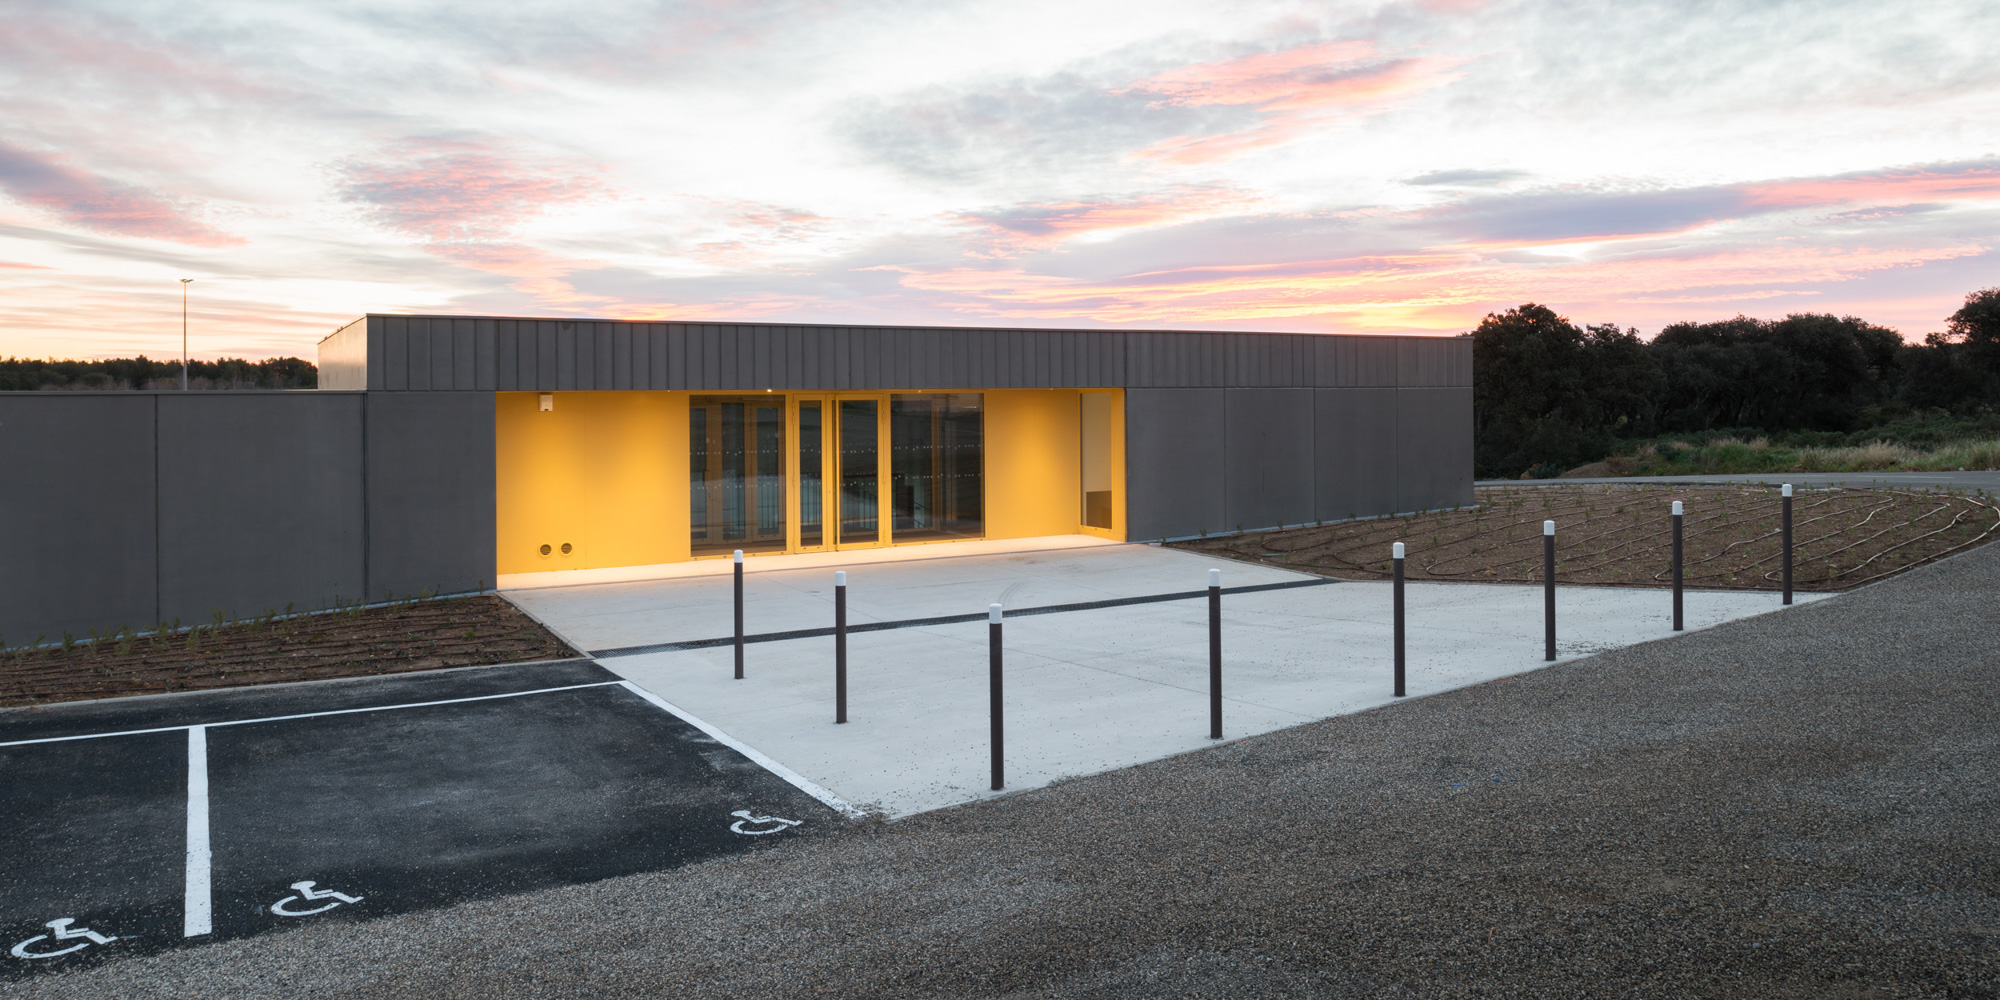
<point>1106,653</point>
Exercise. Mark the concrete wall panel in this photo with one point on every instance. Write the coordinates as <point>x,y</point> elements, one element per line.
<point>77,506</point>
<point>1434,448</point>
<point>259,503</point>
<point>430,499</point>
<point>1174,462</point>
<point>1355,440</point>
<point>1268,457</point>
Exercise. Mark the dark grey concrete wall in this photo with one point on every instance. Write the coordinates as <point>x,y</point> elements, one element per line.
<point>1433,448</point>
<point>1174,445</point>
<point>483,353</point>
<point>259,505</point>
<point>76,512</point>
<point>430,493</point>
<point>1268,457</point>
<point>1355,446</point>
<point>126,509</point>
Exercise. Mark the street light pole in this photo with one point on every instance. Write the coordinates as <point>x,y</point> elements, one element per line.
<point>184,333</point>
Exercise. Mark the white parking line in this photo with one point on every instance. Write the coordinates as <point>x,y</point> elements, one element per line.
<point>197,911</point>
<point>798,781</point>
<point>310,715</point>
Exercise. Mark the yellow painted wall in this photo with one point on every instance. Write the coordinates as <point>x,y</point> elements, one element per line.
<point>605,472</point>
<point>1032,463</point>
<point>1117,460</point>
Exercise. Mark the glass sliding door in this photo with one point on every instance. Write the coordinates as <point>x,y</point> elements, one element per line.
<point>812,473</point>
<point>736,474</point>
<point>937,466</point>
<point>858,439</point>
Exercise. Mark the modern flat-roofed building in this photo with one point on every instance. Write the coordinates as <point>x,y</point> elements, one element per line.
<point>638,443</point>
<point>449,453</point>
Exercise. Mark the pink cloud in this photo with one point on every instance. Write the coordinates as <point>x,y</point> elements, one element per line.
<point>1443,291</point>
<point>451,190</point>
<point>1033,226</point>
<point>1973,181</point>
<point>96,203</point>
<point>1290,91</point>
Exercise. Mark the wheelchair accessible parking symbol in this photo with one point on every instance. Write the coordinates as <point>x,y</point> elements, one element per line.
<point>307,894</point>
<point>60,931</point>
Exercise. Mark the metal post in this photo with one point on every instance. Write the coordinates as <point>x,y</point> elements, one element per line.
<point>739,614</point>
<point>840,646</point>
<point>993,642</point>
<point>184,333</point>
<point>1549,589</point>
<point>1215,654</point>
<point>1788,543</point>
<point>1677,565</point>
<point>1396,552</point>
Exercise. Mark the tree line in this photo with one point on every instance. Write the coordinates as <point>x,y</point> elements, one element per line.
<point>1549,395</point>
<point>30,374</point>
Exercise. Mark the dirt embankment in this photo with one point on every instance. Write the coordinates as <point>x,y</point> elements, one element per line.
<point>1617,534</point>
<point>417,635</point>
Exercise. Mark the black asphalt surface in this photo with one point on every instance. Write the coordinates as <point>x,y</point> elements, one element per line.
<point>399,808</point>
<point>1804,804</point>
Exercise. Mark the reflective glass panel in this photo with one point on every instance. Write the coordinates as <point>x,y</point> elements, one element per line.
<point>736,474</point>
<point>938,466</point>
<point>860,477</point>
<point>811,534</point>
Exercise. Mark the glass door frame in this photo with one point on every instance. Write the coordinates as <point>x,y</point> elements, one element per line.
<point>830,471</point>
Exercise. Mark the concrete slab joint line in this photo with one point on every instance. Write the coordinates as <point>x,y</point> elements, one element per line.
<point>814,633</point>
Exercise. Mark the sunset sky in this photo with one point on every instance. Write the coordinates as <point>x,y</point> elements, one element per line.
<point>1337,167</point>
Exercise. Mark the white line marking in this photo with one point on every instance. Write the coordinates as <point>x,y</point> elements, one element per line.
<point>311,715</point>
<point>196,910</point>
<point>797,780</point>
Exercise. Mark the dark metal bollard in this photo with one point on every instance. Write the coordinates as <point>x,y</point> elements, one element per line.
<point>993,641</point>
<point>1677,566</point>
<point>1788,543</point>
<point>1549,589</point>
<point>1215,654</point>
<point>1396,552</point>
<point>840,645</point>
<point>739,614</point>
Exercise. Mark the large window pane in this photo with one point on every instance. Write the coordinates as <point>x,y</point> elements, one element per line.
<point>736,477</point>
<point>810,484</point>
<point>938,467</point>
<point>860,476</point>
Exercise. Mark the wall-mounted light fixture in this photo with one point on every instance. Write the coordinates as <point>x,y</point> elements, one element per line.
<point>548,402</point>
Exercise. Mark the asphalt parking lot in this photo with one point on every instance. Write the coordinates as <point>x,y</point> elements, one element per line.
<point>147,824</point>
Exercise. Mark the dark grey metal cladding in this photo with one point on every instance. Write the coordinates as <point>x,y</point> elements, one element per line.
<point>430,493</point>
<point>1174,446</point>
<point>77,504</point>
<point>343,357</point>
<point>1434,448</point>
<point>1268,457</point>
<point>1355,471</point>
<point>259,503</point>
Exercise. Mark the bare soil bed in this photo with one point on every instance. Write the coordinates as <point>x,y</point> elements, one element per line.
<point>358,642</point>
<point>1622,535</point>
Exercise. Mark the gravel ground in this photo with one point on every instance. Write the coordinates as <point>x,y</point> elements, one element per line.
<point>1797,805</point>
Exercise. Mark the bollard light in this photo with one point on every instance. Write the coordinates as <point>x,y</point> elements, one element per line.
<point>839,645</point>
<point>739,614</point>
<point>1787,531</point>
<point>993,644</point>
<point>1549,590</point>
<point>1677,565</point>
<point>1214,654</point>
<point>1396,589</point>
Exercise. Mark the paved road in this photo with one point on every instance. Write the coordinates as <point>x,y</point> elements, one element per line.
<point>190,823</point>
<point>1803,804</point>
<point>1966,481</point>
